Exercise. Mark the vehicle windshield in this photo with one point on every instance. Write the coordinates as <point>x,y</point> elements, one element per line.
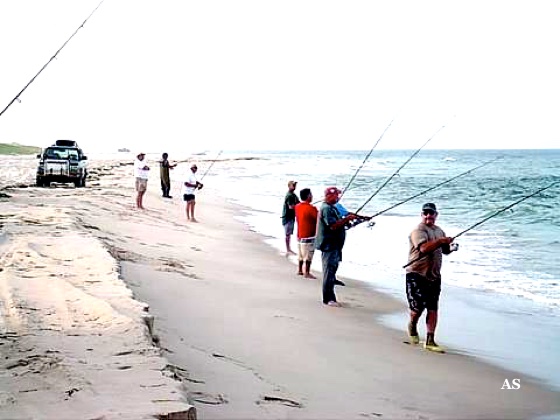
<point>61,153</point>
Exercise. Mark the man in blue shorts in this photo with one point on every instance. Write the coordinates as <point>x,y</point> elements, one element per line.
<point>289,214</point>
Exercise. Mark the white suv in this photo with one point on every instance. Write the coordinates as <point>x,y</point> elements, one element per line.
<point>62,162</point>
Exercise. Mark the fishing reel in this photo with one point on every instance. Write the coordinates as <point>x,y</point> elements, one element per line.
<point>359,221</point>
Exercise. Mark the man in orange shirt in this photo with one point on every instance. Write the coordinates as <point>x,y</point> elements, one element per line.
<point>306,217</point>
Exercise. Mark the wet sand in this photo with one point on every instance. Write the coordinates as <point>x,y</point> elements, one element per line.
<point>237,333</point>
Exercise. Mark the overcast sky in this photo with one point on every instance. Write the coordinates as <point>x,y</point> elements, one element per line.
<point>210,75</point>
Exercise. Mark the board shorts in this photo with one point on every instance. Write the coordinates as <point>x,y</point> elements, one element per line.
<point>141,184</point>
<point>422,293</point>
<point>306,249</point>
<point>289,227</point>
<point>188,197</point>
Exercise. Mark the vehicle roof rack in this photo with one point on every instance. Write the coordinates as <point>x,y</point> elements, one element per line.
<point>66,143</point>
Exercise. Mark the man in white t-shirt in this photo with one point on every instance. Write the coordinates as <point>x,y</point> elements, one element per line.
<point>141,173</point>
<point>188,190</point>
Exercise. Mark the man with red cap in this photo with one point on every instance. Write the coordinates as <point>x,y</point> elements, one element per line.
<point>331,234</point>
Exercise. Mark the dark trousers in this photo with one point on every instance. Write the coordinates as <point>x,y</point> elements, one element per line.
<point>330,260</point>
<point>165,187</point>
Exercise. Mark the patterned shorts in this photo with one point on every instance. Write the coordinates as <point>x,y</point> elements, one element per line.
<point>422,293</point>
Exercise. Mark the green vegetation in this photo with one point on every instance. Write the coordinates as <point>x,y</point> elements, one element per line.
<point>18,149</point>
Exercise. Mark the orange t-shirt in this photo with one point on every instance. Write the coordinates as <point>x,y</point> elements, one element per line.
<point>306,217</point>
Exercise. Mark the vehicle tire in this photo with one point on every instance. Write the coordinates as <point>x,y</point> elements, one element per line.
<point>80,183</point>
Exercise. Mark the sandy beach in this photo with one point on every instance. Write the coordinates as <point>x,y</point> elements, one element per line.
<point>236,333</point>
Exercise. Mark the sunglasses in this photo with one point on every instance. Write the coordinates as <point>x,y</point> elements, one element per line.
<point>428,212</point>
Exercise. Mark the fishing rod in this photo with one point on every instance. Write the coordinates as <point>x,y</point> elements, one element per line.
<point>490,217</point>
<point>365,159</point>
<point>16,98</point>
<point>398,170</point>
<point>434,187</point>
<point>212,164</point>
<point>362,165</point>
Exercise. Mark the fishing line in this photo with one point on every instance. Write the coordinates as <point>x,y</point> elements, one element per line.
<point>16,98</point>
<point>397,171</point>
<point>434,187</point>
<point>212,164</point>
<point>490,217</point>
<point>365,159</point>
<point>347,188</point>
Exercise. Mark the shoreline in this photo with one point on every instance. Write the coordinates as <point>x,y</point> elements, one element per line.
<point>248,338</point>
<point>497,318</point>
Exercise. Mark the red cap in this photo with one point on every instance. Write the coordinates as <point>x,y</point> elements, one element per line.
<point>332,190</point>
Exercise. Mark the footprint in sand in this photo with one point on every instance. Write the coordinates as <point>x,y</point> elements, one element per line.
<point>205,398</point>
<point>267,399</point>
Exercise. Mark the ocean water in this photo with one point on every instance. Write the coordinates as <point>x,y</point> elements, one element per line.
<point>514,253</point>
<point>501,290</point>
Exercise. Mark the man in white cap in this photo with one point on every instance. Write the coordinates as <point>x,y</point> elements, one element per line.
<point>188,190</point>
<point>141,173</point>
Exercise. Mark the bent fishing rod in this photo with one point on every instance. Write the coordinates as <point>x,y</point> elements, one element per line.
<point>16,98</point>
<point>398,170</point>
<point>372,223</point>
<point>433,188</point>
<point>365,159</point>
<point>490,217</point>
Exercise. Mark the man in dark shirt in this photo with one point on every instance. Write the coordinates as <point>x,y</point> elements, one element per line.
<point>164,167</point>
<point>331,234</point>
<point>289,214</point>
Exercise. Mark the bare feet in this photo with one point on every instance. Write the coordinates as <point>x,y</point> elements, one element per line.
<point>290,252</point>
<point>300,273</point>
<point>194,220</point>
<point>309,276</point>
<point>334,304</point>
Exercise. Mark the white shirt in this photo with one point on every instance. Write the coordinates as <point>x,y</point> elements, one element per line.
<point>191,180</point>
<point>139,171</point>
